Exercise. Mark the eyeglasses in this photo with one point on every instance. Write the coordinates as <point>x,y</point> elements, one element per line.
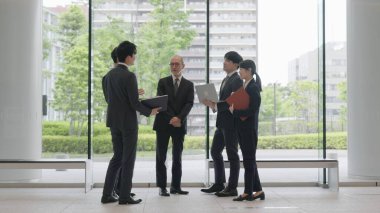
<point>174,64</point>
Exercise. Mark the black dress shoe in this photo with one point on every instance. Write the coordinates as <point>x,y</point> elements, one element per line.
<point>214,188</point>
<point>129,201</point>
<point>178,191</point>
<point>163,192</point>
<point>109,199</point>
<point>117,193</point>
<point>227,193</point>
<point>261,196</point>
<point>241,198</point>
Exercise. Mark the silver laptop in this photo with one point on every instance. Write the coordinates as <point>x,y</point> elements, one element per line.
<point>206,91</point>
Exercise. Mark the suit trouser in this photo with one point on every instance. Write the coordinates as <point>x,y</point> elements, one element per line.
<point>248,144</point>
<point>124,144</point>
<point>161,150</point>
<point>225,138</point>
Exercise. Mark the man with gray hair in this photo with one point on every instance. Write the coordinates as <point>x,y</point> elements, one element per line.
<point>172,123</point>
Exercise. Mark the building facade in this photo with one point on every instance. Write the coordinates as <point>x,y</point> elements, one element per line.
<point>305,68</point>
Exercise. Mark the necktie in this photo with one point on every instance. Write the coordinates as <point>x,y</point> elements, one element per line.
<point>176,86</point>
<point>224,82</point>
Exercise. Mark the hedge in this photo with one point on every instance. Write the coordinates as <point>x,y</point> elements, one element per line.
<point>62,128</point>
<point>146,142</point>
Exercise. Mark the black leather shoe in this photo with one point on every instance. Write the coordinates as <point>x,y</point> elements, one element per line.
<point>129,201</point>
<point>178,191</point>
<point>261,196</point>
<point>214,188</point>
<point>116,194</point>
<point>163,192</point>
<point>243,197</point>
<point>109,199</point>
<point>227,193</point>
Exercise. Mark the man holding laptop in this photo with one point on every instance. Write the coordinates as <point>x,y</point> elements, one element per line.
<point>225,135</point>
<point>172,123</point>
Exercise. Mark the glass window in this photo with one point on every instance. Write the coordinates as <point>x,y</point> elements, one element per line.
<point>288,66</point>
<point>65,78</point>
<point>336,77</point>
<point>159,33</point>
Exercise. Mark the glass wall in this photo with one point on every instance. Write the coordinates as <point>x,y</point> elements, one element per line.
<point>65,85</point>
<point>280,36</point>
<point>336,84</point>
<point>288,66</point>
<point>160,30</point>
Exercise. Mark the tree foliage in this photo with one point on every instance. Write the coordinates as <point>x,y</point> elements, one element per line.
<point>72,24</point>
<point>105,40</point>
<point>166,32</point>
<point>70,92</point>
<point>342,88</point>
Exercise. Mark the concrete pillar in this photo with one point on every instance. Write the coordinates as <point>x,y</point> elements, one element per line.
<point>20,84</point>
<point>363,72</point>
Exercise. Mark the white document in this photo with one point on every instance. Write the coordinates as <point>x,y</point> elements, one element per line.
<point>206,91</point>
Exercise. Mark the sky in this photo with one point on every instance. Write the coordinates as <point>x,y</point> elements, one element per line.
<point>286,30</point>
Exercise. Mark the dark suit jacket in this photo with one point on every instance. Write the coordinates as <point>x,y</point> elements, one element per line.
<point>179,105</point>
<point>224,118</point>
<point>121,94</point>
<point>253,109</point>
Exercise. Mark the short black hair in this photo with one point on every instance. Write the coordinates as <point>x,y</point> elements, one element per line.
<point>125,48</point>
<point>114,55</point>
<point>234,57</point>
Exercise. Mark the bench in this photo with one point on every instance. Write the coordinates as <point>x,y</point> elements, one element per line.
<point>53,164</point>
<point>332,166</point>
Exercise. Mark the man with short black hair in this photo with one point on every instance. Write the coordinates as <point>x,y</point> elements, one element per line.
<point>225,134</point>
<point>121,94</point>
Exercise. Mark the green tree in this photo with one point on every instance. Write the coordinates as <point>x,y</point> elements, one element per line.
<point>268,110</point>
<point>166,32</point>
<point>72,24</point>
<point>342,88</point>
<point>70,92</point>
<point>303,100</point>
<point>105,40</point>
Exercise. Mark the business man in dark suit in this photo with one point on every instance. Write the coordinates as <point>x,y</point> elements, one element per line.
<point>225,133</point>
<point>172,124</point>
<point>121,94</point>
<point>116,191</point>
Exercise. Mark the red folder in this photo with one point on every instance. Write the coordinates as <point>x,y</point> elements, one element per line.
<point>240,100</point>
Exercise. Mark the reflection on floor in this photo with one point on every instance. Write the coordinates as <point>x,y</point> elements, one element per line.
<point>283,199</point>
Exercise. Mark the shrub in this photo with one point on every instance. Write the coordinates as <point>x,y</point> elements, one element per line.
<point>56,139</point>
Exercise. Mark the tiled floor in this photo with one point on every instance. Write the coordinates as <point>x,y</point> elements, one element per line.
<point>279,199</point>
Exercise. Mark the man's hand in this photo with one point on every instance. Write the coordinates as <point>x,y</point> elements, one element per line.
<point>155,111</point>
<point>141,91</point>
<point>209,103</point>
<point>175,121</point>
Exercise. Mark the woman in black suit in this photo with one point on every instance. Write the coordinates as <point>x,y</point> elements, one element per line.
<point>247,131</point>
